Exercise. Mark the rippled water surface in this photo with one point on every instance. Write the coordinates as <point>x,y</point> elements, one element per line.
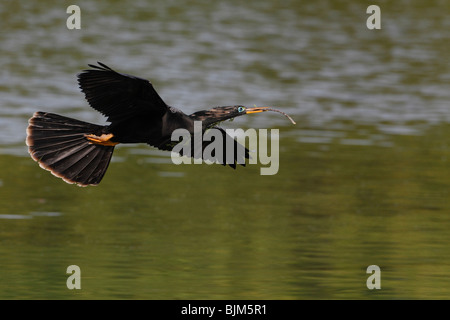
<point>363,177</point>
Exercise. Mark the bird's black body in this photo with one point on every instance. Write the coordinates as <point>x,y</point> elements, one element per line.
<point>80,152</point>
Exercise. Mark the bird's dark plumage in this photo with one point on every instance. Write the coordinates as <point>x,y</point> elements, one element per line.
<point>80,152</point>
<point>119,96</point>
<point>59,145</point>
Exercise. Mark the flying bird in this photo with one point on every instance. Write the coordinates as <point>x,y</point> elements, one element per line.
<point>79,152</point>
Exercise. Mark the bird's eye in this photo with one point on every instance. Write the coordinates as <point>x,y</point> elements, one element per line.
<point>241,109</point>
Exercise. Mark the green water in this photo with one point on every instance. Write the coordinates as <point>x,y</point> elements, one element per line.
<point>363,177</point>
<point>160,231</point>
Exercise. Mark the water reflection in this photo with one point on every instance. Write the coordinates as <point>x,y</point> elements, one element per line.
<point>363,177</point>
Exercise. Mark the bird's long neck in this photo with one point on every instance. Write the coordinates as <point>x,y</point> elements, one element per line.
<point>207,118</point>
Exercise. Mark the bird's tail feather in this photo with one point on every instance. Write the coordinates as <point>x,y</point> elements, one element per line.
<point>59,144</point>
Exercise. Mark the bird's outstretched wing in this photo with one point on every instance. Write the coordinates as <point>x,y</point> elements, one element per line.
<point>119,96</point>
<point>239,153</point>
<point>231,153</point>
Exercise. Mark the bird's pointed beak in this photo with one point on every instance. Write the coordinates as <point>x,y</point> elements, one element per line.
<point>262,109</point>
<point>256,109</point>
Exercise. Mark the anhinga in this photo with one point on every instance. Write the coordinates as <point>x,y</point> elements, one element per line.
<point>80,152</point>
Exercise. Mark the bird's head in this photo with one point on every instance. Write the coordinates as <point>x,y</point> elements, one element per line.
<point>218,114</point>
